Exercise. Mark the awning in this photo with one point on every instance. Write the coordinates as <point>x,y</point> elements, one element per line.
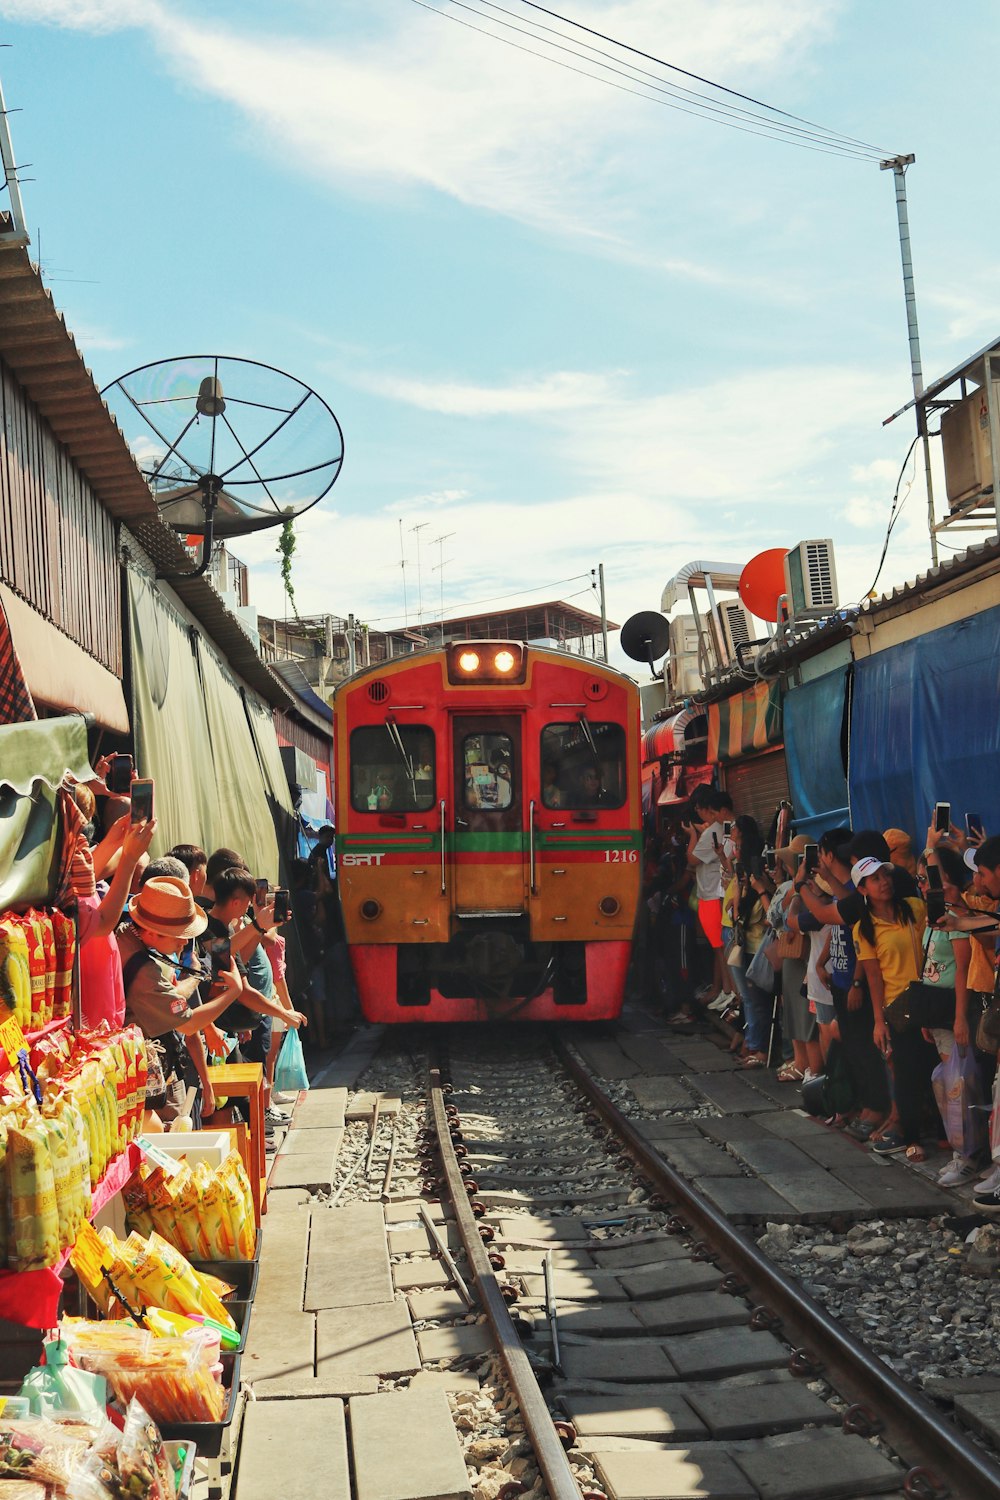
<point>58,672</point>
<point>667,736</point>
<point>744,723</point>
<point>34,758</point>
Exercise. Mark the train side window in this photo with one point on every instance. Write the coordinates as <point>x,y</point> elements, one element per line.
<point>392,768</point>
<point>583,765</point>
<point>486,761</point>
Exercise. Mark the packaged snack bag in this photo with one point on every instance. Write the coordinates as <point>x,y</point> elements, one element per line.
<point>34,1220</point>
<point>46,935</point>
<point>15,973</point>
<point>64,934</point>
<point>36,968</point>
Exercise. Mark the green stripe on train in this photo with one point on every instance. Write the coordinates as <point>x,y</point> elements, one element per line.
<point>515,842</point>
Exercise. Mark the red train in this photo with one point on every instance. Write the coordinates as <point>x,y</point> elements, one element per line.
<point>488,833</point>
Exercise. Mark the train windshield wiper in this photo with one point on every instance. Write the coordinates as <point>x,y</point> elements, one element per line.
<point>587,734</point>
<point>392,729</point>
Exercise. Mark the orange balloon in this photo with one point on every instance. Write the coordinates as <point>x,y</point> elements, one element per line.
<point>762,580</point>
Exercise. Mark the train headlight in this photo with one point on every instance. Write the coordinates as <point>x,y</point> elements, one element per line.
<point>371,909</point>
<point>469,661</point>
<point>505,661</point>
<point>610,906</point>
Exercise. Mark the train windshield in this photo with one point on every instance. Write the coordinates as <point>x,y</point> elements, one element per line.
<point>583,764</point>
<point>486,762</point>
<point>392,768</point>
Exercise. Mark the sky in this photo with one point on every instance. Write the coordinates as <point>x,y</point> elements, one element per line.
<point>559,324</point>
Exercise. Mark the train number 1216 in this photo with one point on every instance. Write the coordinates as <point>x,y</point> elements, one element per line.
<point>621,856</point>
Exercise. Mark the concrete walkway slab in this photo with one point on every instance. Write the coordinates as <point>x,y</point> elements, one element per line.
<point>980,1410</point>
<point>653,1475</point>
<point>742,1198</point>
<point>896,1191</point>
<point>606,1059</point>
<point>444,1380</point>
<point>629,1360</point>
<point>817,1194</point>
<point>314,1432</point>
<point>732,1128</point>
<point>670,1417</point>
<point>306,1169</point>
<point>461,1342</point>
<point>614,1320</point>
<point>528,1227</point>
<point>651,1054</point>
<point>299,1388</point>
<point>404,1447</point>
<point>791,1124</point>
<point>702,1158</point>
<point>578,1286</point>
<point>280,1344</point>
<point>284,1200</point>
<point>312,1142</point>
<point>348,1257</point>
<point>362,1106</point>
<point>731,1094</point>
<point>757,1411</point>
<point>281,1279</point>
<point>724,1351</point>
<point>630,1257</point>
<point>375,1340</point>
<point>419,1274</point>
<point>436,1307</point>
<point>692,1313</point>
<point>830,1466</point>
<point>671,1280</point>
<point>772,1155</point>
<point>320,1109</point>
<point>661,1093</point>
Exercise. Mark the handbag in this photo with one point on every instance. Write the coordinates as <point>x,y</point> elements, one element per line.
<point>789,945</point>
<point>761,972</point>
<point>736,949</point>
<point>922,1004</point>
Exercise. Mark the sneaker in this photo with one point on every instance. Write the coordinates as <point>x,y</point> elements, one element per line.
<point>988,1202</point>
<point>960,1169</point>
<point>703,990</point>
<point>989,1182</point>
<point>272,1118</point>
<point>279,1098</point>
<point>720,1003</point>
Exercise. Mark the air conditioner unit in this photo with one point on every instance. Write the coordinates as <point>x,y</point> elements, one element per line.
<point>681,670</point>
<point>965,444</point>
<point>738,627</point>
<point>811,579</point>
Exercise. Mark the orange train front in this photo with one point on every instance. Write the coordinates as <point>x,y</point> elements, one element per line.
<point>488,834</point>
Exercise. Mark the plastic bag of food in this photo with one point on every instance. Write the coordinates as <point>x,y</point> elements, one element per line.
<point>38,1450</point>
<point>31,1196</point>
<point>142,1459</point>
<point>169,1376</point>
<point>57,1387</point>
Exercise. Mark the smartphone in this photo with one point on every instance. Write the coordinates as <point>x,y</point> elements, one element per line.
<point>282,906</point>
<point>221,955</point>
<point>119,778</point>
<point>727,829</point>
<point>770,860</point>
<point>141,799</point>
<point>974,825</point>
<point>942,817</point>
<point>934,878</point>
<point>810,856</point>
<point>756,867</point>
<point>261,889</point>
<point>715,841</point>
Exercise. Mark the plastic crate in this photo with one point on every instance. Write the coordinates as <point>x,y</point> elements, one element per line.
<point>209,1437</point>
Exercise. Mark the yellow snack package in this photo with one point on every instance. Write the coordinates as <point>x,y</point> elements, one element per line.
<point>31,1195</point>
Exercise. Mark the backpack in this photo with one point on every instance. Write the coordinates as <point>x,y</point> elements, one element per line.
<point>832,1092</point>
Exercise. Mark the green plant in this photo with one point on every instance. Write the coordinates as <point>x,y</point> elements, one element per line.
<point>286,549</point>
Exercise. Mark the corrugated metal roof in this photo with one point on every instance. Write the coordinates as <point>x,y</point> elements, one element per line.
<point>42,354</point>
<point>980,554</point>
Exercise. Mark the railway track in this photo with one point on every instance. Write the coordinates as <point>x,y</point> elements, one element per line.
<point>647,1340</point>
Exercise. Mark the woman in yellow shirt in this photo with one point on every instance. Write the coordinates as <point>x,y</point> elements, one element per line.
<point>889,943</point>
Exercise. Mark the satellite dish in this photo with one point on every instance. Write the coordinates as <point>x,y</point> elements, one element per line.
<point>762,581</point>
<point>228,446</point>
<point>645,637</point>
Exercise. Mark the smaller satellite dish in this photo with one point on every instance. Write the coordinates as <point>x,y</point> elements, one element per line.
<point>645,637</point>
<point>762,581</point>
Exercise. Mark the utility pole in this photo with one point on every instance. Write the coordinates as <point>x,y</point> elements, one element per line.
<point>897,165</point>
<point>604,607</point>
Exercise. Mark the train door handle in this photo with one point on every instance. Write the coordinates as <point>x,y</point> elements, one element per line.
<point>531,849</point>
<point>442,808</point>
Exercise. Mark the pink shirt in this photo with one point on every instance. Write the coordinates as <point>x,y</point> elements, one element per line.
<point>101,988</point>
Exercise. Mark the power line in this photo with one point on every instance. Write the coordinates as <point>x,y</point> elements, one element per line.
<point>677,91</point>
<point>538,588</point>
<point>771,129</point>
<point>697,77</point>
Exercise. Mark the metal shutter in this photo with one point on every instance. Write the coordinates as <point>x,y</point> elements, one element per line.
<point>757,784</point>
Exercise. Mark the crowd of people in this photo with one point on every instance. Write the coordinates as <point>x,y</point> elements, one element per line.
<point>854,966</point>
<point>189,947</point>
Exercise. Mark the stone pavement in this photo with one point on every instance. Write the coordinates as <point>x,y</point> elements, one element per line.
<point>761,1157</point>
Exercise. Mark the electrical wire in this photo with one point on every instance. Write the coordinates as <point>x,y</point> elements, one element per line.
<point>677,91</point>
<point>813,137</point>
<point>698,78</point>
<point>499,598</point>
<point>894,514</point>
<point>766,134</point>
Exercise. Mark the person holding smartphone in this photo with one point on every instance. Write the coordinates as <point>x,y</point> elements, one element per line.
<point>888,940</point>
<point>704,831</point>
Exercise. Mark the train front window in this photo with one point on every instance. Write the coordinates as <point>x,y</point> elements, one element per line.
<point>486,762</point>
<point>392,768</point>
<point>583,765</point>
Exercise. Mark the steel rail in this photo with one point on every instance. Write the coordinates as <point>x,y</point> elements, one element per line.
<point>538,1423</point>
<point>912,1425</point>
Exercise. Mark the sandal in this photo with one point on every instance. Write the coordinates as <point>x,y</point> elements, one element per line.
<point>753,1060</point>
<point>915,1154</point>
<point>789,1073</point>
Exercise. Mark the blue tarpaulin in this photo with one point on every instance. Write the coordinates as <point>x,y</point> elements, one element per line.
<point>925,728</point>
<point>817,779</point>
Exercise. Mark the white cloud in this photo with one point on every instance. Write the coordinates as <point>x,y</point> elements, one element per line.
<point>567,390</point>
<point>422,101</point>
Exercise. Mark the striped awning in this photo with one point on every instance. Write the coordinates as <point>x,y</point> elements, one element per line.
<point>745,723</point>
